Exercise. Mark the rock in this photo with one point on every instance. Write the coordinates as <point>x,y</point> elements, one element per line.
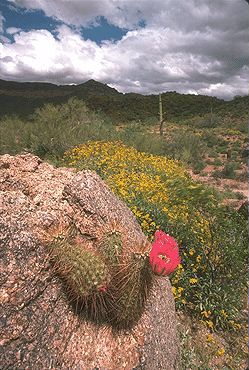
<point>40,328</point>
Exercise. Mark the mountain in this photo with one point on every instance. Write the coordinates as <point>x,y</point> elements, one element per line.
<point>22,98</point>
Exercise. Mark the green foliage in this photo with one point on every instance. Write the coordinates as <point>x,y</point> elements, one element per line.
<point>216,280</point>
<point>24,98</point>
<point>208,120</point>
<point>212,238</point>
<point>217,162</point>
<point>228,171</point>
<point>53,129</point>
<point>63,126</point>
<point>212,139</point>
<point>187,147</point>
<point>14,135</point>
<point>134,135</point>
<point>198,166</point>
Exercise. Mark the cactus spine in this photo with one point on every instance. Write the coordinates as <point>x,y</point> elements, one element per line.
<point>111,247</point>
<point>130,291</point>
<point>110,282</point>
<point>84,271</point>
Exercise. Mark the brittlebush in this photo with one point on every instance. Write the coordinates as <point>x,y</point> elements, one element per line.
<point>162,195</point>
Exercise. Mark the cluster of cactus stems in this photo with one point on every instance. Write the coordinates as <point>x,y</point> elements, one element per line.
<point>109,283</point>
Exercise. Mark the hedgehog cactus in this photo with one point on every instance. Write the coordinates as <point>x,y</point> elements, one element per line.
<point>110,280</point>
<point>131,290</point>
<point>83,271</point>
<point>111,247</point>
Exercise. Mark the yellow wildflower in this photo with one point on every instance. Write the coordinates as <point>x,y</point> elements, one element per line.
<point>223,312</point>
<point>198,258</point>
<point>210,324</point>
<point>174,290</point>
<point>221,352</point>
<point>180,267</point>
<point>206,313</point>
<point>210,338</point>
<point>193,280</point>
<point>191,252</point>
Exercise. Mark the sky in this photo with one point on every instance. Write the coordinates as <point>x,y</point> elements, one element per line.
<point>142,46</point>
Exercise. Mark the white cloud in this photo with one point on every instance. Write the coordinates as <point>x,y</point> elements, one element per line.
<point>189,46</point>
<point>12,30</point>
<point>38,55</point>
<point>188,15</point>
<point>2,19</point>
<point>84,13</point>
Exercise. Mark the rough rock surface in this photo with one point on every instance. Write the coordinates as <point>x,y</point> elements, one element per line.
<point>39,327</point>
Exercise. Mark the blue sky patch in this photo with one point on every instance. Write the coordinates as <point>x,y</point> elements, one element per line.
<point>36,19</point>
<point>26,20</point>
<point>103,31</point>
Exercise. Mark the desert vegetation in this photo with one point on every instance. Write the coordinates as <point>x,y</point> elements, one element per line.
<point>153,176</point>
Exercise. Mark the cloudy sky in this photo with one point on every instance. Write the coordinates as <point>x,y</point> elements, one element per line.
<point>144,46</point>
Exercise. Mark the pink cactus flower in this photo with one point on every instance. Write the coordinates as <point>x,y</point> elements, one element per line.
<point>164,255</point>
<point>102,289</point>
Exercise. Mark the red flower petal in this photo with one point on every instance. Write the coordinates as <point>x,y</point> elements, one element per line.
<point>164,255</point>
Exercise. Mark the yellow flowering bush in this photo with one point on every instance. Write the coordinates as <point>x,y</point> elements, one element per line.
<point>162,195</point>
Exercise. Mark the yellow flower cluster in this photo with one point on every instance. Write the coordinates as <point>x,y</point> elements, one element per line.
<point>116,156</point>
<point>160,193</point>
<point>210,338</point>
<point>193,280</point>
<point>178,294</point>
<point>131,174</point>
<point>146,221</point>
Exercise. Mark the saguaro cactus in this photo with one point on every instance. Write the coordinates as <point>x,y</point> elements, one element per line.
<point>162,118</point>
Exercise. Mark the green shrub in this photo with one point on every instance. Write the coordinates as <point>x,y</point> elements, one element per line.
<point>206,121</point>
<point>57,128</point>
<point>229,170</point>
<point>198,166</point>
<point>185,146</point>
<point>134,135</point>
<point>52,129</point>
<point>217,162</point>
<point>14,135</point>
<point>234,154</point>
<point>210,138</point>
<point>211,279</point>
<point>222,149</point>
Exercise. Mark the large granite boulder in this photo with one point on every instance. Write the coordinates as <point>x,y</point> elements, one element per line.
<point>40,328</point>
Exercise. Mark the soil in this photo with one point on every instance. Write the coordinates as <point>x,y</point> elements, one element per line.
<point>223,184</point>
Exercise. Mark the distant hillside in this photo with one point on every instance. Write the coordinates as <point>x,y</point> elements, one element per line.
<point>22,98</point>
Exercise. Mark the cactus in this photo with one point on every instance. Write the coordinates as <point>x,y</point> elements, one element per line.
<point>130,289</point>
<point>83,271</point>
<point>111,247</point>
<point>109,281</point>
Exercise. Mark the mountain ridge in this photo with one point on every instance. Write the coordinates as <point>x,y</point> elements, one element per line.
<point>22,98</point>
